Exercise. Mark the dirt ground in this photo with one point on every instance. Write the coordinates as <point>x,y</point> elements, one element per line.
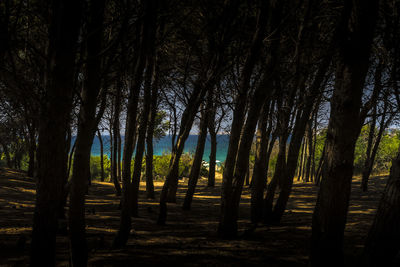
<point>189,238</point>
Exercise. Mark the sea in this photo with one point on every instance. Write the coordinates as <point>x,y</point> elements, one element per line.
<point>163,146</point>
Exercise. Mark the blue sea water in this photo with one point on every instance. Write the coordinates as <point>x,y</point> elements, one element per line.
<point>164,146</point>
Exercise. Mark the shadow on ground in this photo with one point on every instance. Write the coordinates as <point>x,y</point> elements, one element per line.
<point>189,238</point>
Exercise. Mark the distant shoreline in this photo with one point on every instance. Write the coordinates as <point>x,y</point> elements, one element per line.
<point>163,146</point>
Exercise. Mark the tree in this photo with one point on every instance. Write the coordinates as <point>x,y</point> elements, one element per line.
<point>355,38</point>
<point>54,119</point>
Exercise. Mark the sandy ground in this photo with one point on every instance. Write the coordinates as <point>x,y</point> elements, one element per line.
<point>189,238</point>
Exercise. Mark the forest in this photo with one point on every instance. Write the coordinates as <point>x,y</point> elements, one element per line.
<point>305,94</point>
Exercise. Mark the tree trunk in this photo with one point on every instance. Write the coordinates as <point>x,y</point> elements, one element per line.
<point>369,161</point>
<point>318,174</point>
<point>213,137</point>
<point>213,159</point>
<point>119,168</point>
<point>260,166</point>
<point>198,158</point>
<point>86,131</point>
<point>150,136</point>
<point>116,129</point>
<point>168,193</point>
<point>295,143</point>
<point>53,121</point>
<point>149,78</point>
<point>310,145</point>
<point>31,151</point>
<point>300,167</point>
<point>130,131</point>
<point>329,218</point>
<point>101,155</point>
<point>227,226</point>
<point>382,244</point>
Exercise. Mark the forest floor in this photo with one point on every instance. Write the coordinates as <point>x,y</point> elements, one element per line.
<point>189,238</point>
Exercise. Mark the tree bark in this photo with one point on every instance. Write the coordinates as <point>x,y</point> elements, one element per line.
<point>198,158</point>
<point>150,136</point>
<point>227,226</point>
<point>168,193</point>
<point>101,155</point>
<point>116,129</point>
<point>53,122</point>
<point>260,166</point>
<point>130,131</point>
<point>149,78</point>
<point>382,244</point>
<point>86,130</point>
<point>355,38</point>
<point>213,158</point>
<point>31,150</point>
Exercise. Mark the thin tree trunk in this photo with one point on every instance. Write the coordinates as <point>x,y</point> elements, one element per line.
<point>168,193</point>
<point>119,168</point>
<point>130,131</point>
<point>318,175</point>
<point>150,136</point>
<point>213,159</point>
<point>227,226</point>
<point>71,155</point>
<point>310,143</point>
<point>111,153</point>
<point>101,156</point>
<point>260,166</point>
<point>115,129</point>
<point>295,142</point>
<point>329,219</point>
<point>300,168</point>
<point>370,157</point>
<point>149,78</point>
<point>31,151</point>
<point>198,158</point>
<point>213,141</point>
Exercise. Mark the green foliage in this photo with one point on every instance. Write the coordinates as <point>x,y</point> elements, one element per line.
<point>95,167</point>
<point>386,151</point>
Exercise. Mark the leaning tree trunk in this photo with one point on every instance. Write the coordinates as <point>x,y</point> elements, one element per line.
<point>329,219</point>
<point>302,120</point>
<point>371,152</point>
<point>53,121</point>
<point>137,170</point>
<point>130,129</point>
<point>260,166</point>
<point>168,193</point>
<point>227,226</point>
<point>198,158</point>
<point>383,241</point>
<point>85,136</point>
<point>186,123</point>
<point>115,129</point>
